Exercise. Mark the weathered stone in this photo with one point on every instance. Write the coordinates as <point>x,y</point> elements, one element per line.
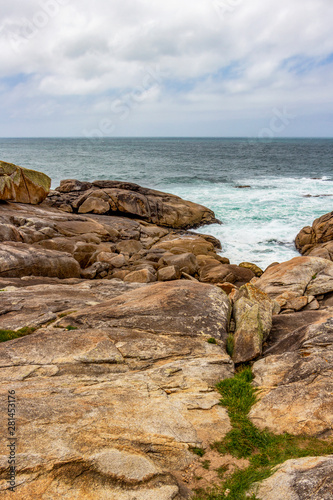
<point>9,232</point>
<point>91,399</point>
<point>129,247</point>
<point>303,478</point>
<point>68,185</point>
<point>317,240</point>
<point>118,261</point>
<point>94,205</point>
<point>169,273</point>
<point>219,273</point>
<point>22,185</point>
<point>186,262</point>
<point>253,267</point>
<point>127,198</point>
<point>297,386</point>
<point>161,307</point>
<point>252,311</point>
<point>19,259</point>
<point>302,275</point>
<point>140,276</point>
<point>189,244</point>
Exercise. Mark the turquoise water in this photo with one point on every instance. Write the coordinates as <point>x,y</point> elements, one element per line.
<point>260,222</point>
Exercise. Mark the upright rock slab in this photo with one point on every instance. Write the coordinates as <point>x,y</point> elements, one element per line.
<point>252,311</point>
<point>23,185</point>
<point>296,387</point>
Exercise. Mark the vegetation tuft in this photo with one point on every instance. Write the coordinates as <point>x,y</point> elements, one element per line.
<point>70,327</point>
<point>15,334</point>
<point>263,449</point>
<point>211,340</point>
<point>198,451</point>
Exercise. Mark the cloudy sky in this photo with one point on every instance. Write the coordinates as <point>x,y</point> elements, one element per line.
<point>260,68</point>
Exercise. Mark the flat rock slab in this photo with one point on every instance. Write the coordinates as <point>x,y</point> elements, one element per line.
<point>300,479</point>
<point>296,387</point>
<point>20,259</point>
<point>109,412</point>
<point>178,307</point>
<point>39,303</point>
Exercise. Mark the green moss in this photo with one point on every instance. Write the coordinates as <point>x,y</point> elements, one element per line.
<point>70,327</point>
<point>211,340</point>
<point>205,464</point>
<point>198,451</point>
<point>263,449</point>
<point>15,334</point>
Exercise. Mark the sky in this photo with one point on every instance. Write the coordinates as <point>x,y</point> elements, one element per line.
<point>189,68</point>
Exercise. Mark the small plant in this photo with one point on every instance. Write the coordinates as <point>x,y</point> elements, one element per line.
<point>205,464</point>
<point>263,449</point>
<point>314,276</point>
<point>15,334</point>
<point>198,451</point>
<point>70,327</point>
<point>211,340</point>
<point>64,314</point>
<point>222,470</point>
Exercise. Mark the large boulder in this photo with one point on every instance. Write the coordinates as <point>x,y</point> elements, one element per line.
<point>298,479</point>
<point>296,386</point>
<point>318,239</point>
<point>301,275</point>
<point>130,199</point>
<point>23,185</point>
<point>112,412</point>
<point>20,259</point>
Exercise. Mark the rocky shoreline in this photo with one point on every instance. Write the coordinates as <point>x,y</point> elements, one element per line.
<point>135,319</point>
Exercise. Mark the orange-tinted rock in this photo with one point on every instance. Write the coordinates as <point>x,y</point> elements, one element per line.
<point>22,185</point>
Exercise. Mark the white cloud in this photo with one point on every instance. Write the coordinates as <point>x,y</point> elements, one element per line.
<point>203,60</point>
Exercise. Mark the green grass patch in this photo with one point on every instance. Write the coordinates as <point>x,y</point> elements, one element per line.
<point>70,327</point>
<point>211,340</point>
<point>263,449</point>
<point>205,464</point>
<point>198,451</point>
<point>15,334</point>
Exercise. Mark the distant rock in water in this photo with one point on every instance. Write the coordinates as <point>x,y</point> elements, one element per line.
<point>125,198</point>
<point>242,187</point>
<point>317,240</point>
<point>22,185</point>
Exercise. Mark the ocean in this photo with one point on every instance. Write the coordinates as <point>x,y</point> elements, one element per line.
<point>264,191</point>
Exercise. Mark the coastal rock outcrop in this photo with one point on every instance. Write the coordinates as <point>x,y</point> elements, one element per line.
<point>22,185</point>
<point>295,283</point>
<point>296,386</point>
<point>112,410</point>
<point>302,478</point>
<point>107,197</point>
<point>318,239</point>
<point>19,259</point>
